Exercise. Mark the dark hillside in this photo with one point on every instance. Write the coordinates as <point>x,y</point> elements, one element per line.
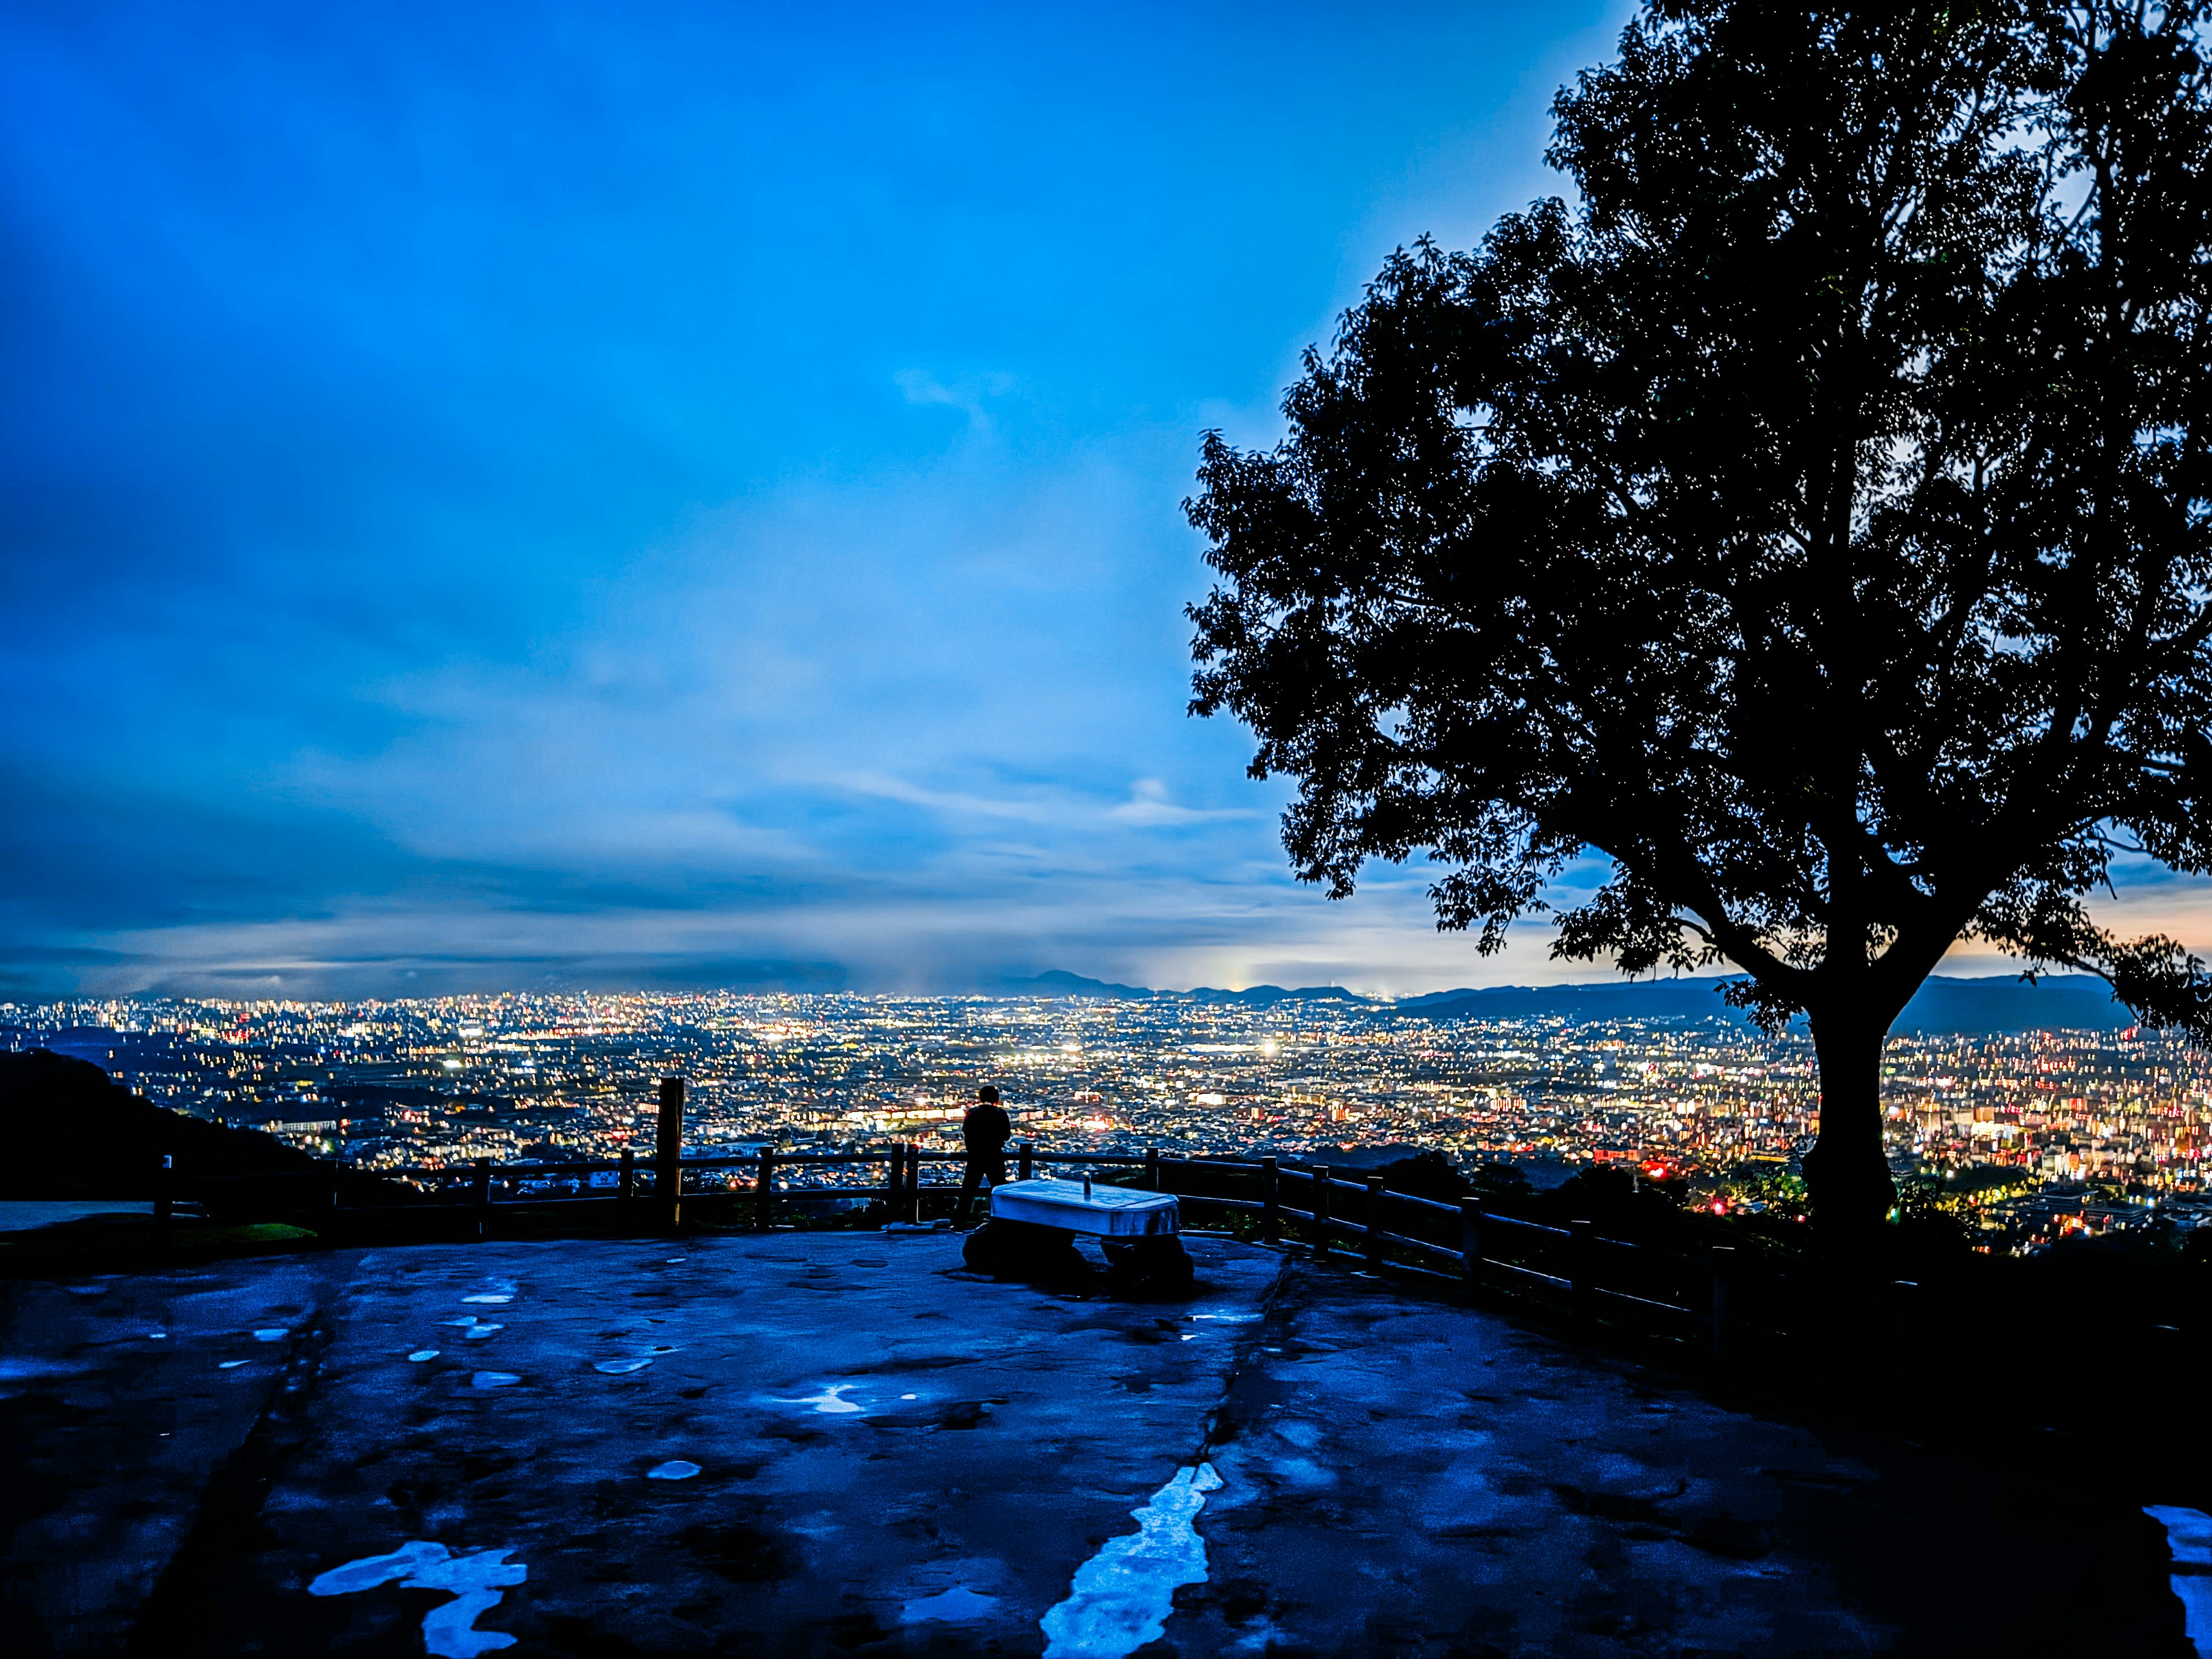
<point>68,1129</point>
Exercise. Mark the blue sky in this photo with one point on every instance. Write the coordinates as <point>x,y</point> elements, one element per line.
<point>512,495</point>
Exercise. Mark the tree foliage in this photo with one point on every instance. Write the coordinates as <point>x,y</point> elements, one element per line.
<point>1810,517</point>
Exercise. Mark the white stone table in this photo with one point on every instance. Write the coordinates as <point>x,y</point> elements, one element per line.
<point>1115,1212</point>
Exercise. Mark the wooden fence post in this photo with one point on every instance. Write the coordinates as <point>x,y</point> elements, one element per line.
<point>1271,1214</point>
<point>1319,1207</point>
<point>914,1181</point>
<point>764,1190</point>
<point>625,1190</point>
<point>1026,1163</point>
<point>668,1155</point>
<point>1470,1243</point>
<point>480,1196</point>
<point>893,1180</point>
<point>164,1198</point>
<point>1579,1265</point>
<point>1723,1264</point>
<point>1152,1169</point>
<point>1373,1218</point>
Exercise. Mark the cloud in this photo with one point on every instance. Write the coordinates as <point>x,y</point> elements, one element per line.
<point>1148,804</point>
<point>966,394</point>
<point>463,512</point>
<point>1046,805</point>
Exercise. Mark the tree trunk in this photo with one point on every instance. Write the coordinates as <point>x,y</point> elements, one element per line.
<point>1847,1173</point>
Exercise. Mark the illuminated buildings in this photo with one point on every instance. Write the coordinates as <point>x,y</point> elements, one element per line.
<point>438,1081</point>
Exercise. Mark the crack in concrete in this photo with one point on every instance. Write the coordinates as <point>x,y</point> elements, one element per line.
<point>228,1522</point>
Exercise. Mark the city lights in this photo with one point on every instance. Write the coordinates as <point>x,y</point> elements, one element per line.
<point>2031,1136</point>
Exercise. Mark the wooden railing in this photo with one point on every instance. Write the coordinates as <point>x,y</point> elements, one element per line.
<point>1744,1315</point>
<point>1723,1303</point>
<point>1701,1298</point>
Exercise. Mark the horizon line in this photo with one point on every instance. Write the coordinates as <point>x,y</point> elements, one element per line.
<point>1010,987</point>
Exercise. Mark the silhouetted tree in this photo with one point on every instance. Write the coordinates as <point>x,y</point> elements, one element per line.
<point>1811,519</point>
<point>1496,1184</point>
<point>1426,1175</point>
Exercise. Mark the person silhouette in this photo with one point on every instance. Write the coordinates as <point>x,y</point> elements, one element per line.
<point>984,1130</point>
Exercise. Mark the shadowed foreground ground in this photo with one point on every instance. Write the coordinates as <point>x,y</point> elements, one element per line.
<point>844,1444</point>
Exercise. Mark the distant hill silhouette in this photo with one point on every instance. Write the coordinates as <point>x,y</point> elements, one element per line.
<point>1998,1005</point>
<point>2068,1001</point>
<point>67,1126</point>
<point>1266,996</point>
<point>1944,1006</point>
<point>1664,999</point>
<point>1059,982</point>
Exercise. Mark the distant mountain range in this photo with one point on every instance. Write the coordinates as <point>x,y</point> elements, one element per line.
<point>1058,983</point>
<point>1266,996</point>
<point>1944,1006</point>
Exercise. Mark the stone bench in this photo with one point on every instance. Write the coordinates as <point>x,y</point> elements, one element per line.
<point>1034,1225</point>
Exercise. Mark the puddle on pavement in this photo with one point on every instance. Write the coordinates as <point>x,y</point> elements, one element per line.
<point>422,1354</point>
<point>676,1469</point>
<point>228,1364</point>
<point>619,1367</point>
<point>477,1581</point>
<point>35,1370</point>
<point>495,1380</point>
<point>2188,1541</point>
<point>1122,1596</point>
<point>478,1333</point>
<point>501,1293</point>
<point>829,1401</point>
<point>956,1606</point>
<point>271,1334</point>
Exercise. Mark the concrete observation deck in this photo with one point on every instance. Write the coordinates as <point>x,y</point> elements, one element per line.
<point>846,1444</point>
